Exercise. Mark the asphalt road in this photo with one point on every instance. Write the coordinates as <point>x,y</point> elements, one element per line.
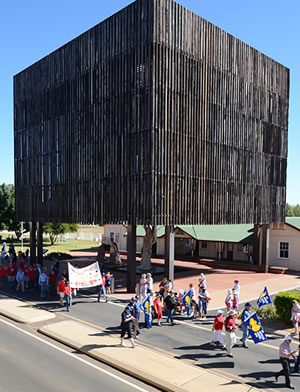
<point>188,340</point>
<point>30,362</point>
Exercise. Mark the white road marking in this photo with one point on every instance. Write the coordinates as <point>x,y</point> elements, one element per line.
<point>78,358</point>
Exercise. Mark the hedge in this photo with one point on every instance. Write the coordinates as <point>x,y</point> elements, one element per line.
<point>283,303</point>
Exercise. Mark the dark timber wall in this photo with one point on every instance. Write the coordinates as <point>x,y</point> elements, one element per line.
<point>153,116</point>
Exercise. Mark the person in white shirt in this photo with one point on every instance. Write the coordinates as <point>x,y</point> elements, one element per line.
<point>149,283</point>
<point>237,288</point>
<point>20,277</point>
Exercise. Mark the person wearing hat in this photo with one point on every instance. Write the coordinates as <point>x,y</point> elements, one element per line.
<point>126,326</point>
<point>230,328</point>
<point>285,353</point>
<point>246,313</point>
<point>217,330</point>
<point>134,310</point>
<point>170,304</point>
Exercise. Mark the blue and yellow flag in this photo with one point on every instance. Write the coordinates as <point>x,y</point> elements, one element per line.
<point>187,302</point>
<point>148,311</point>
<point>256,329</point>
<point>264,298</point>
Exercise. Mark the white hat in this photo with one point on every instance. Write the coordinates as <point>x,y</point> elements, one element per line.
<point>229,291</point>
<point>231,313</point>
<point>288,337</point>
<point>220,312</point>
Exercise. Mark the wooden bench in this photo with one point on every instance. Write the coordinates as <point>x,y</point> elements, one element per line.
<point>277,270</point>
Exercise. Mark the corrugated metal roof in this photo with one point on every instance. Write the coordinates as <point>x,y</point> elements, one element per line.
<point>293,221</point>
<point>219,233</point>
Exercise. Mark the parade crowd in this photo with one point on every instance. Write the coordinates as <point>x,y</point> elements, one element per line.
<point>18,274</point>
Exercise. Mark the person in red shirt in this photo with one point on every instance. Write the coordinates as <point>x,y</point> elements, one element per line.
<point>61,285</point>
<point>68,296</point>
<point>31,278</point>
<point>52,281</point>
<point>230,328</point>
<point>2,276</point>
<point>217,330</point>
<point>26,270</point>
<point>11,274</point>
<point>21,263</point>
<point>158,306</point>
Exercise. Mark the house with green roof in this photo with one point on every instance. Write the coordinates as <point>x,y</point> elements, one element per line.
<point>221,242</point>
<point>284,244</point>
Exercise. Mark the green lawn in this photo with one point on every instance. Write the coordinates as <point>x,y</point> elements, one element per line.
<point>68,246</point>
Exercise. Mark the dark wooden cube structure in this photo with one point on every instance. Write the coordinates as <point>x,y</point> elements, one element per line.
<point>152,116</point>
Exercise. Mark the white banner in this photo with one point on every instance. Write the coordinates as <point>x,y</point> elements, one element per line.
<point>89,276</point>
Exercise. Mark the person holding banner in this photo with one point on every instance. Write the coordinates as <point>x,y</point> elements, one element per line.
<point>126,326</point>
<point>285,353</point>
<point>101,289</point>
<point>246,313</point>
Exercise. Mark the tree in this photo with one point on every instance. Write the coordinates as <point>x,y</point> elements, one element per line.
<point>149,240</point>
<point>292,210</point>
<point>56,229</point>
<point>7,211</point>
<point>289,209</point>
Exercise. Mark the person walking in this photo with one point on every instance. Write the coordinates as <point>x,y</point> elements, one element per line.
<point>61,285</point>
<point>143,283</point>
<point>217,330</point>
<point>31,278</point>
<point>228,300</point>
<point>285,353</point>
<point>203,302</point>
<point>126,326</point>
<point>246,313</point>
<point>158,306</point>
<point>230,328</point>
<point>149,282</point>
<point>20,277</point>
<point>295,318</point>
<point>11,275</point>
<point>170,304</point>
<point>43,282</point>
<point>68,296</point>
<point>102,289</point>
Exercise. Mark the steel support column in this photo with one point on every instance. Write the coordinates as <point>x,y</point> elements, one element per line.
<point>131,258</point>
<point>169,252</point>
<point>40,242</point>
<point>32,226</point>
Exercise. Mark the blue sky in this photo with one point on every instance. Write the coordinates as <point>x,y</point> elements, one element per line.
<point>30,29</point>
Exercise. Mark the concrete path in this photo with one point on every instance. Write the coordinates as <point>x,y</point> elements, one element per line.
<point>22,312</point>
<point>151,366</point>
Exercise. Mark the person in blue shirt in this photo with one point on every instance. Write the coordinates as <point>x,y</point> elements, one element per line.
<point>245,314</point>
<point>134,312</point>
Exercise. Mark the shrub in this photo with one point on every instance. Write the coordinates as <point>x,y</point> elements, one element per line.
<point>283,303</point>
<point>266,312</point>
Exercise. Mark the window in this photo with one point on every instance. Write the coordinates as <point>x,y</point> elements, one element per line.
<point>203,244</point>
<point>112,237</point>
<point>283,251</point>
<point>240,248</point>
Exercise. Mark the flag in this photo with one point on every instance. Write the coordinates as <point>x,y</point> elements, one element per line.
<point>187,302</point>
<point>89,276</point>
<point>264,298</point>
<point>255,329</point>
<point>148,311</point>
